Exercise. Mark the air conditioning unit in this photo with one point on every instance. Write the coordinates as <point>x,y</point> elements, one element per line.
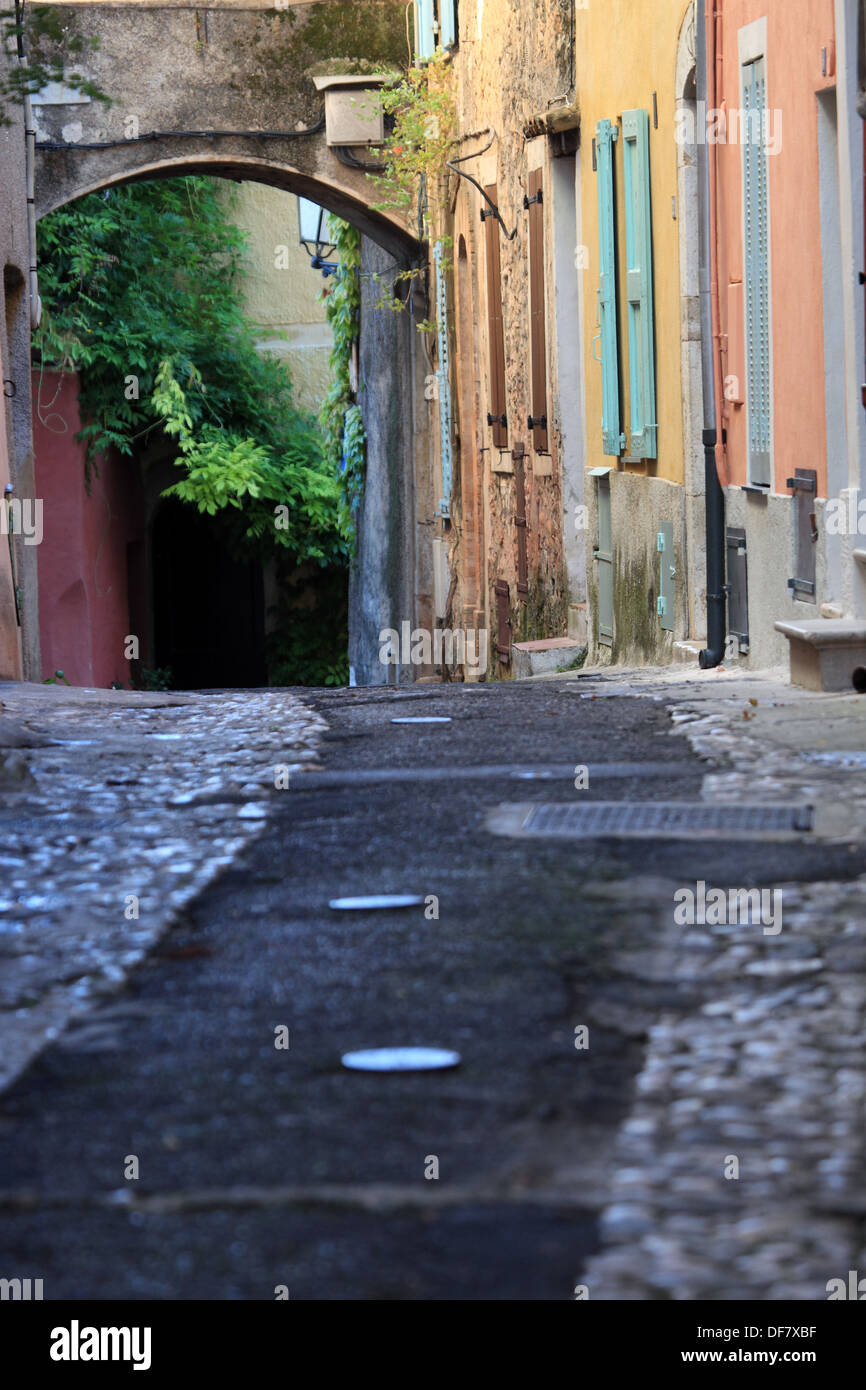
<point>353,108</point>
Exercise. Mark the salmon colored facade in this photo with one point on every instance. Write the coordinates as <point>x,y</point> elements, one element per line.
<point>797,34</point>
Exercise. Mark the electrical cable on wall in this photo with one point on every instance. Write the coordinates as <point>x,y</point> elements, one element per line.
<point>186,134</point>
<point>452,164</point>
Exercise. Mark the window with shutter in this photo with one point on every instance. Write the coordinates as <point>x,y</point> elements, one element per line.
<point>425,30</point>
<point>537,321</point>
<point>503,619</point>
<point>605,136</point>
<point>756,276</point>
<point>447,23</point>
<point>497,417</point>
<point>639,282</point>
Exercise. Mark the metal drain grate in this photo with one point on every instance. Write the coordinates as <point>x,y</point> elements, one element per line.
<point>683,819</point>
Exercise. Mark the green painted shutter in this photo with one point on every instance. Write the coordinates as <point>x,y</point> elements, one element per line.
<point>447,23</point>
<point>757,274</point>
<point>425,30</point>
<point>605,135</point>
<point>639,280</point>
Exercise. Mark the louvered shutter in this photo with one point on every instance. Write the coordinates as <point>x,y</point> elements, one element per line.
<point>447,23</point>
<point>639,283</point>
<point>537,319</point>
<point>503,619</point>
<point>496,334</point>
<point>605,135</point>
<point>520,521</point>
<point>757,273</point>
<point>425,30</point>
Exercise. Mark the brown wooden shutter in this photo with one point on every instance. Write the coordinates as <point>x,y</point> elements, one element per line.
<point>503,620</point>
<point>497,416</point>
<point>520,519</point>
<point>537,317</point>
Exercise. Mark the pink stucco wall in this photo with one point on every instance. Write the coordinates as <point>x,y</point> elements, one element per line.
<point>82,561</point>
<point>10,641</point>
<point>796,33</point>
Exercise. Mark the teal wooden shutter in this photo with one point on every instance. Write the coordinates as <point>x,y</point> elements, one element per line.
<point>639,281</point>
<point>757,273</point>
<point>425,30</point>
<point>447,23</point>
<point>605,136</point>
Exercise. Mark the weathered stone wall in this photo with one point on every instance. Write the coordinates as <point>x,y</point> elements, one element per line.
<point>171,69</point>
<point>513,61</point>
<point>386,571</point>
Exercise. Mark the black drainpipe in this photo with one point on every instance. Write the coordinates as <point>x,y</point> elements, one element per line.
<point>713,653</point>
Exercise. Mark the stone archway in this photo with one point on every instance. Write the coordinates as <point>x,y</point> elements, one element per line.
<point>224,90</point>
<point>228,92</point>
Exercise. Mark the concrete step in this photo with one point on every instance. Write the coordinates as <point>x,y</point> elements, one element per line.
<point>827,653</point>
<point>537,658</point>
<point>688,651</point>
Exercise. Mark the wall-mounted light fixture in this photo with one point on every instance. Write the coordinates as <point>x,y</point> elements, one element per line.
<point>316,236</point>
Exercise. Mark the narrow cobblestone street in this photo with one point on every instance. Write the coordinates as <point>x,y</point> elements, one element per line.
<point>559,1165</point>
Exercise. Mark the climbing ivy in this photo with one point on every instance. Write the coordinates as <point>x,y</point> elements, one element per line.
<point>342,426</point>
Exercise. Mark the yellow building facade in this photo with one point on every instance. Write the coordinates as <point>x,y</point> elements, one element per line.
<point>638,259</point>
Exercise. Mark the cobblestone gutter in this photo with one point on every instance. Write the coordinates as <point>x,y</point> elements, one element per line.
<point>769,1069</point>
<point>117,810</point>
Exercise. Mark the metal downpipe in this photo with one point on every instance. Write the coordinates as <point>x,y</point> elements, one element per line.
<point>714,652</point>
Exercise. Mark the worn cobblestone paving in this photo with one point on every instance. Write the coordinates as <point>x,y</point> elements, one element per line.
<point>770,1069</point>
<point>133,797</point>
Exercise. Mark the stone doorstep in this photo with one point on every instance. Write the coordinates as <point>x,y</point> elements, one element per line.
<point>536,658</point>
<point>689,650</point>
<point>825,652</point>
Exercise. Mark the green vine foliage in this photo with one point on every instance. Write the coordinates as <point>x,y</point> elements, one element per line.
<point>22,79</point>
<point>423,139</point>
<point>342,426</point>
<point>141,287</point>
